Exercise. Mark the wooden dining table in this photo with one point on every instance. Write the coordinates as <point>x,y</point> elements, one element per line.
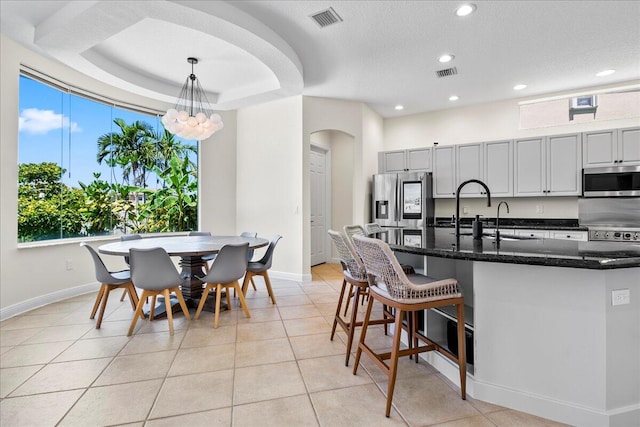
<point>190,249</point>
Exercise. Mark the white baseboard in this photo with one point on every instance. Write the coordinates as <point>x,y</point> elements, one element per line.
<point>289,276</point>
<point>42,300</point>
<point>564,412</point>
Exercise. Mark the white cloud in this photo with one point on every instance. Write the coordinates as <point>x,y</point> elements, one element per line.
<point>40,122</point>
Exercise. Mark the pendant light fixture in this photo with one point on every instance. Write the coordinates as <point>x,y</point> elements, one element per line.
<point>192,116</point>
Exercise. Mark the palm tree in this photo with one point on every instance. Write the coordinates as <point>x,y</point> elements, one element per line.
<point>133,148</point>
<point>168,146</point>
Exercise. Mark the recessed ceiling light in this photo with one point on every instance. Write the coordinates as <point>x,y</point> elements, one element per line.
<point>399,107</point>
<point>453,98</point>
<point>446,57</point>
<point>519,87</point>
<point>605,73</point>
<point>465,9</point>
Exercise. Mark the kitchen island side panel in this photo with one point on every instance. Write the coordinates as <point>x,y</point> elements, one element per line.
<point>541,341</point>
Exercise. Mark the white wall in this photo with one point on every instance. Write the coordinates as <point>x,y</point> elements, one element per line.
<point>359,121</point>
<point>21,286</point>
<point>269,179</point>
<point>489,122</point>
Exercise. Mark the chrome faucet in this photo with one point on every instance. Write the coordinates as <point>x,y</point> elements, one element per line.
<point>498,219</point>
<point>477,181</point>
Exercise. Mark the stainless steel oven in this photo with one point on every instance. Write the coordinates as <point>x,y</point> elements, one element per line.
<point>614,181</point>
<point>611,219</point>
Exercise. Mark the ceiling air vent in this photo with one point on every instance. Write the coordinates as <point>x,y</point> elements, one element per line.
<point>447,72</point>
<point>326,17</point>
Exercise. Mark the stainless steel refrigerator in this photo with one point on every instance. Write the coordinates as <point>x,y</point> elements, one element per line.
<point>402,204</point>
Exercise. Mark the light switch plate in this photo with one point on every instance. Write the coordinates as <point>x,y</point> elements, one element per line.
<point>620,297</point>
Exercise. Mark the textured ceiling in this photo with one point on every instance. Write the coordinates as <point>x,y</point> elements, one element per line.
<point>383,53</point>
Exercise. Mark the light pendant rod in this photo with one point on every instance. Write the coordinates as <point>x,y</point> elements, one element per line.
<point>200,122</point>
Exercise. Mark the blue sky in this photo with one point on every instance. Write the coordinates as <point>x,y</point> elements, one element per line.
<point>61,128</point>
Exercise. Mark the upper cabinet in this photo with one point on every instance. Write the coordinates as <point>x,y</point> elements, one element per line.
<point>614,147</point>
<point>469,165</point>
<point>411,160</point>
<point>498,167</point>
<point>489,162</point>
<point>548,166</point>
<point>444,171</point>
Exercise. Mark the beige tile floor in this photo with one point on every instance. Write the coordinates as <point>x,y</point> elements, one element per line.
<point>277,368</point>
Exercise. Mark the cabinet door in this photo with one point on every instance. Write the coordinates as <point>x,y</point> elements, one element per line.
<point>629,146</point>
<point>564,165</point>
<point>444,172</point>
<point>529,167</point>
<point>498,167</point>
<point>394,161</point>
<point>599,148</point>
<point>469,165</point>
<point>419,159</point>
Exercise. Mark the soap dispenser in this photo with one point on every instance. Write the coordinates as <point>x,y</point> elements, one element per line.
<point>476,225</point>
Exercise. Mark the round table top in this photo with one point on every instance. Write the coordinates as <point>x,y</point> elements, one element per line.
<point>182,245</point>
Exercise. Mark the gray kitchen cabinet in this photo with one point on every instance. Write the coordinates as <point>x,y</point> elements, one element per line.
<point>410,160</point>
<point>498,167</point>
<point>548,166</point>
<point>470,165</point>
<point>444,172</point>
<point>613,147</point>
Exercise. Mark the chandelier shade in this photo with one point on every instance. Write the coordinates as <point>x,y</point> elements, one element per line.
<point>192,116</point>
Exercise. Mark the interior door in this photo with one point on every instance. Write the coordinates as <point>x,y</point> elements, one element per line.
<point>318,207</point>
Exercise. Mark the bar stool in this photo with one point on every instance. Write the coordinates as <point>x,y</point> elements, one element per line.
<point>394,289</point>
<point>355,275</point>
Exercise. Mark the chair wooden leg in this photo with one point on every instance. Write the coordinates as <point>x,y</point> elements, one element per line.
<point>203,298</point>
<point>243,302</point>
<point>183,304</point>
<point>352,323</point>
<point>105,297</point>
<point>137,313</point>
<point>167,304</point>
<point>462,352</point>
<point>393,368</point>
<point>335,318</point>
<point>245,282</point>
<point>133,295</point>
<point>267,282</point>
<point>253,284</point>
<point>415,332</point>
<point>103,287</point>
<point>216,315</point>
<point>228,299</point>
<point>363,334</point>
<point>152,308</point>
<point>346,308</point>
<point>123,295</point>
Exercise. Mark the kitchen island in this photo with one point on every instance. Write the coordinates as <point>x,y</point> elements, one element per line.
<point>547,338</point>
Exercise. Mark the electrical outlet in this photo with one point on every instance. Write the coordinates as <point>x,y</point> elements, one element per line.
<point>69,264</point>
<point>620,297</point>
<point>539,208</point>
<point>465,209</point>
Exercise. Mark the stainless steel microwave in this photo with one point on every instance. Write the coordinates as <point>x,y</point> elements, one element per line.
<point>615,181</point>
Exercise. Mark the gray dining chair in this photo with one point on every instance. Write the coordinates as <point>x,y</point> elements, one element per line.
<point>153,271</point>
<point>109,280</point>
<point>251,252</point>
<point>260,268</point>
<point>124,238</point>
<point>228,267</point>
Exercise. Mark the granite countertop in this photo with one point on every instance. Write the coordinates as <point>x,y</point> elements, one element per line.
<point>568,224</point>
<point>441,242</point>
